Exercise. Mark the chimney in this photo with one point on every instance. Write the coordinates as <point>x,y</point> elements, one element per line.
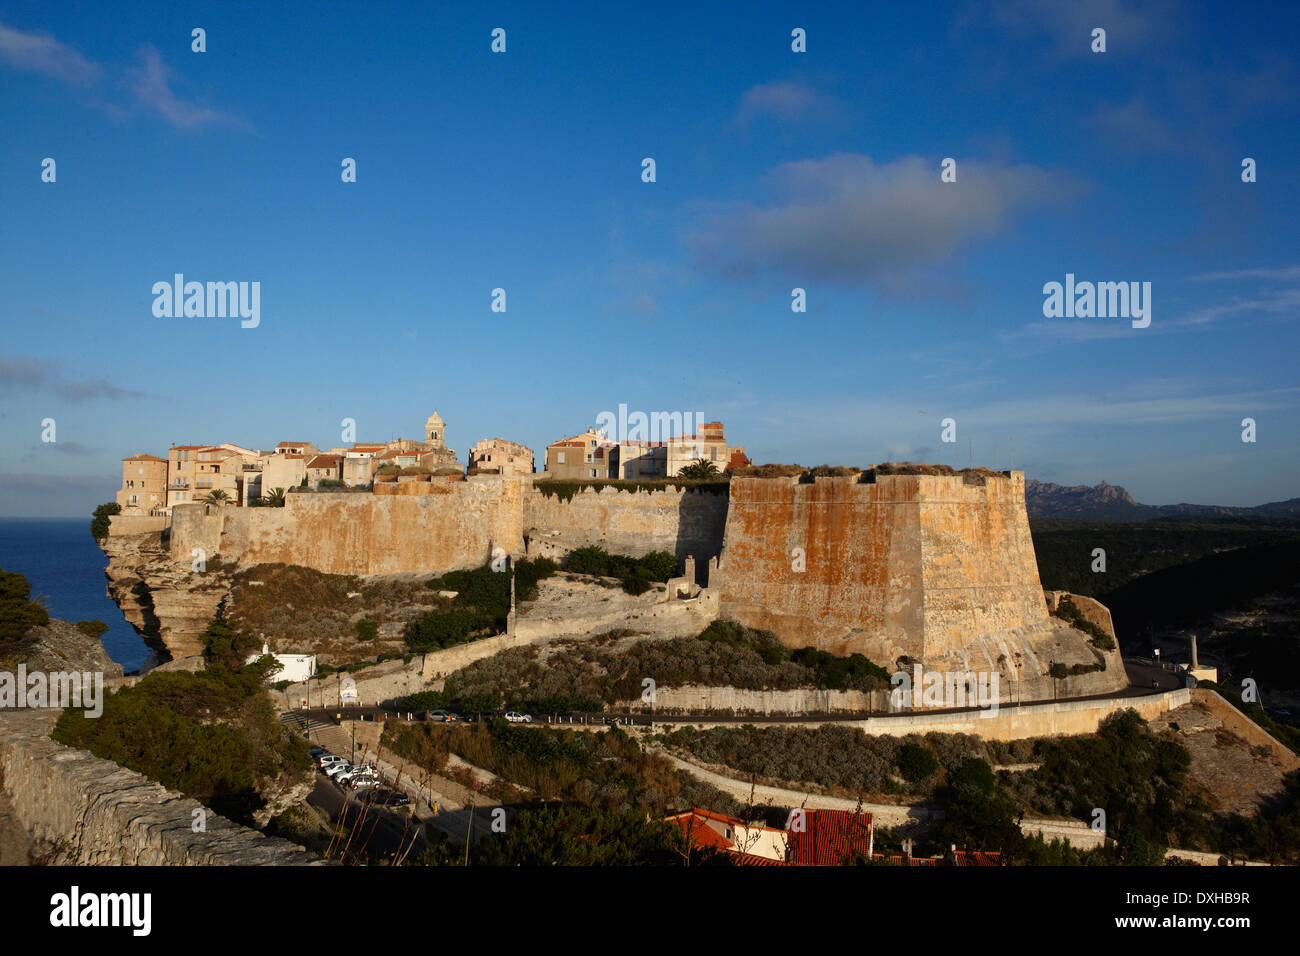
<point>1195,663</point>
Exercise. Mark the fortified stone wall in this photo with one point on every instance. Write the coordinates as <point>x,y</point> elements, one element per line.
<point>681,521</point>
<point>927,568</point>
<point>343,533</point>
<point>901,563</point>
<point>1045,719</point>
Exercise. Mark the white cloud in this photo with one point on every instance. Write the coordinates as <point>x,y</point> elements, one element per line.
<point>44,54</point>
<point>150,85</point>
<point>785,100</point>
<point>851,220</point>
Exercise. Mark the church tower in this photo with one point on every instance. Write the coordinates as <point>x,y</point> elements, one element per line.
<point>435,431</point>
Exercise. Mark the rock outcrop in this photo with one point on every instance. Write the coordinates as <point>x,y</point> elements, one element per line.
<point>60,646</point>
<point>168,602</point>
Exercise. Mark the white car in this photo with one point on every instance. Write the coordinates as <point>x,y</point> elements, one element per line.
<point>517,718</point>
<point>355,774</point>
<point>335,769</point>
<point>326,759</point>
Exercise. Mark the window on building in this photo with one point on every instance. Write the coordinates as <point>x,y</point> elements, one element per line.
<point>593,473</point>
<point>559,458</point>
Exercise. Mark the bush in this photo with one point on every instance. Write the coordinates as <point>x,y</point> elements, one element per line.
<point>212,735</point>
<point>423,700</point>
<point>92,629</point>
<point>18,613</point>
<point>916,763</point>
<point>434,631</point>
<point>366,629</point>
<point>224,645</point>
<point>99,523</point>
<point>636,574</point>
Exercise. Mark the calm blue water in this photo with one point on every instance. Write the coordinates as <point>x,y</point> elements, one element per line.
<point>62,562</point>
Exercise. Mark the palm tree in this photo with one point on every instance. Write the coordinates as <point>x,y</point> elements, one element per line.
<point>217,497</point>
<point>699,469</point>
<point>276,498</point>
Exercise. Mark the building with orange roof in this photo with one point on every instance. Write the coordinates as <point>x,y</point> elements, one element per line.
<point>751,843</point>
<point>830,837</point>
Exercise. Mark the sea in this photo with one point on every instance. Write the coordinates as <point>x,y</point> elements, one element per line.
<point>63,565</point>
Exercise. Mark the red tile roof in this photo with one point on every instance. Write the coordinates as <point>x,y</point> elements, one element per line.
<point>830,838</point>
<point>698,831</point>
<point>144,457</point>
<point>323,461</point>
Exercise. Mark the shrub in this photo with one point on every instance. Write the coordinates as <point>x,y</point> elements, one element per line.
<point>212,735</point>
<point>18,613</point>
<point>366,629</point>
<point>434,631</point>
<point>636,574</point>
<point>99,523</point>
<point>916,763</point>
<point>222,644</point>
<point>92,629</point>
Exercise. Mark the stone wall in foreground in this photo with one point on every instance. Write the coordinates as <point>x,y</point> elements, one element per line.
<point>81,810</point>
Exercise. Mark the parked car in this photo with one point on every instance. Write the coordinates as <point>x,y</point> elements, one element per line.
<point>517,718</point>
<point>330,760</point>
<point>444,716</point>
<point>356,774</point>
<point>317,751</point>
<point>360,768</point>
<point>362,782</point>
<point>390,798</point>
<point>333,770</point>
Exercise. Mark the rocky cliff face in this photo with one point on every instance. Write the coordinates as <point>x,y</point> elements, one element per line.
<point>61,647</point>
<point>164,599</point>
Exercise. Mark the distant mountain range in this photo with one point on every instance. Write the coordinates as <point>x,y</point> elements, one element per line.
<point>1106,502</point>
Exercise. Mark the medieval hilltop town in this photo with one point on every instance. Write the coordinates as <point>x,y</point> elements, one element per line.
<point>671,611</point>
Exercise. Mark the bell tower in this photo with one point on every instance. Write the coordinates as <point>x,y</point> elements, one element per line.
<point>435,431</point>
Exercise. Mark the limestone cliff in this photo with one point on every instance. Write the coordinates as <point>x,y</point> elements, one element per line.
<point>168,602</point>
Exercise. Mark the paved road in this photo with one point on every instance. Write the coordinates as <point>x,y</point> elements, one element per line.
<point>378,832</point>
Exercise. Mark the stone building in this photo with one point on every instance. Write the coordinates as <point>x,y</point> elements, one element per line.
<point>324,468</point>
<point>583,456</point>
<point>182,471</point>
<point>501,457</point>
<point>144,485</point>
<point>438,455</point>
<point>284,471</point>
<point>709,444</point>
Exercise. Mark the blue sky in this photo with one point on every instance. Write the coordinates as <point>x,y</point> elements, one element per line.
<point>775,170</point>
